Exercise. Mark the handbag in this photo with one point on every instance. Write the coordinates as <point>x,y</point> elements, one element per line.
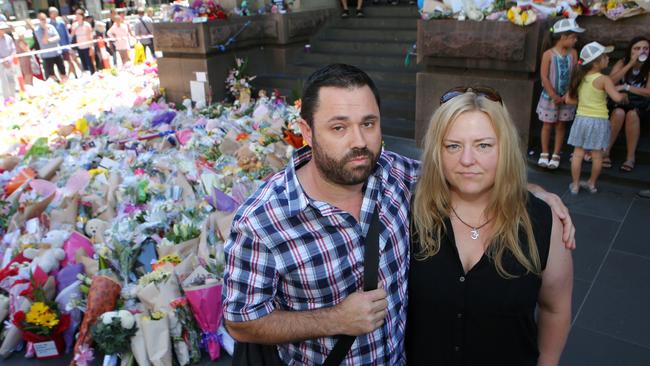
<point>253,354</point>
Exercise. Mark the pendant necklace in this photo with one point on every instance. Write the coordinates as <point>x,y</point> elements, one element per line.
<point>474,232</point>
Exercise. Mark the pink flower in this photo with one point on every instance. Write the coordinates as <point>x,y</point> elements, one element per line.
<point>85,356</point>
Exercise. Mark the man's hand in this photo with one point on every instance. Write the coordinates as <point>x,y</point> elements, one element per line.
<point>362,312</point>
<point>562,212</point>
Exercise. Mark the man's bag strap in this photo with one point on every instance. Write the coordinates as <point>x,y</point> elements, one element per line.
<point>370,276</point>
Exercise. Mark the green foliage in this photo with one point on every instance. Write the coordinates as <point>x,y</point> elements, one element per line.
<point>183,232</point>
<point>112,338</point>
<point>39,148</point>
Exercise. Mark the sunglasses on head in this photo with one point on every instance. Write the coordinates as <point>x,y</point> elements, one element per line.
<point>483,91</point>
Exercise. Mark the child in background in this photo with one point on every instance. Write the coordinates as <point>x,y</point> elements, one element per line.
<point>591,128</point>
<point>557,62</point>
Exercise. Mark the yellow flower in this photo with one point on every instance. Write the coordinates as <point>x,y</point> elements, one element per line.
<point>157,315</point>
<point>82,125</point>
<point>172,258</point>
<point>41,314</point>
<point>96,171</point>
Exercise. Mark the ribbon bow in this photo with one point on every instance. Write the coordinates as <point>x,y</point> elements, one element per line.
<point>207,337</point>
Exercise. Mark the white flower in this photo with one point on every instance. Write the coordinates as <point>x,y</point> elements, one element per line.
<point>126,319</point>
<point>107,318</point>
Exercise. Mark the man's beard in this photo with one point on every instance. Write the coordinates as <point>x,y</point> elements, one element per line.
<point>335,170</point>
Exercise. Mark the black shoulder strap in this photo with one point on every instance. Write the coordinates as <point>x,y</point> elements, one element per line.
<point>145,25</point>
<point>370,276</point>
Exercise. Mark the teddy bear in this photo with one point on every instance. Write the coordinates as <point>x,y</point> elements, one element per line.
<point>49,256</point>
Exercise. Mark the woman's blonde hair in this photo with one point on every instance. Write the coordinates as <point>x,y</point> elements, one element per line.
<point>507,207</point>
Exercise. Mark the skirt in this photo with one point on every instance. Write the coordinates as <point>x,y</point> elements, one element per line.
<point>590,133</point>
<point>549,112</point>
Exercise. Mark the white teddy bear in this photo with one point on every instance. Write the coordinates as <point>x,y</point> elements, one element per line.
<point>48,260</point>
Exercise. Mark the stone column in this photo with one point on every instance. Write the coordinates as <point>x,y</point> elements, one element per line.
<point>94,8</point>
<point>20,9</point>
<point>496,54</point>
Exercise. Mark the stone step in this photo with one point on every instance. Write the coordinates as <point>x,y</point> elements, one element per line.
<point>382,35</point>
<point>378,61</point>
<point>387,92</point>
<point>383,10</point>
<point>401,145</point>
<point>639,177</point>
<point>375,23</point>
<point>399,127</point>
<point>362,47</point>
<point>378,76</point>
<point>642,150</point>
<point>392,106</point>
<point>619,149</point>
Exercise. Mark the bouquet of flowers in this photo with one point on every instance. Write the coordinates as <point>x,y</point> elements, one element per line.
<point>191,332</point>
<point>182,240</point>
<point>43,325</point>
<point>113,332</point>
<point>157,338</point>
<point>238,82</point>
<point>102,297</point>
<point>522,15</point>
<point>201,288</point>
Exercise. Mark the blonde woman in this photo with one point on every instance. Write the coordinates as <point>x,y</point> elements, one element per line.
<point>485,252</point>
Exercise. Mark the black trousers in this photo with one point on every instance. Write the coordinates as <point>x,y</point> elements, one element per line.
<point>49,66</point>
<point>86,63</point>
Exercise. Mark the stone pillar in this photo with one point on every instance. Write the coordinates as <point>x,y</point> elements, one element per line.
<point>496,54</point>
<point>94,8</point>
<point>229,5</point>
<point>193,47</point>
<point>20,9</point>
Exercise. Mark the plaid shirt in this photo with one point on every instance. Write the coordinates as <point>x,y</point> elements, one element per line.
<point>289,252</point>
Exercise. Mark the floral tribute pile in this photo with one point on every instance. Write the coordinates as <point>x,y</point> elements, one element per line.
<point>526,12</point>
<point>114,210</point>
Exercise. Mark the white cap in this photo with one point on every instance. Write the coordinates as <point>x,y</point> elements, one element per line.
<point>4,25</point>
<point>566,25</point>
<point>592,51</point>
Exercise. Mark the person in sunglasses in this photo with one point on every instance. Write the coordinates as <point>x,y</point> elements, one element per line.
<point>485,251</point>
<point>295,258</point>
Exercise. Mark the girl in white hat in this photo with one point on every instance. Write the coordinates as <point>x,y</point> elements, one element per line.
<point>559,58</point>
<point>591,128</point>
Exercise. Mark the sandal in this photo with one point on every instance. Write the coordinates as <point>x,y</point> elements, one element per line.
<point>607,162</point>
<point>627,166</point>
<point>555,162</point>
<point>590,189</point>
<point>543,160</point>
<point>573,189</point>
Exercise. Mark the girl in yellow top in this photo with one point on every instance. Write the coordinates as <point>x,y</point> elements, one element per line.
<point>591,128</point>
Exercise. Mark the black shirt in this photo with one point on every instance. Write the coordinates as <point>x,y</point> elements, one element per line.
<point>478,317</point>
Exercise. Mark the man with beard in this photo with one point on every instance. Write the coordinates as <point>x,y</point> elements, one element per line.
<point>294,259</point>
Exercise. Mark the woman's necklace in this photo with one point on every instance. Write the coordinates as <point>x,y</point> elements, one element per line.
<point>474,232</point>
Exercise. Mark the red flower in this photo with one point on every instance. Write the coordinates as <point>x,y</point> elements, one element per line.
<point>293,139</point>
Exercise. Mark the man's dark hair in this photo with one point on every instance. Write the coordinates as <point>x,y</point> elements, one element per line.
<point>334,75</point>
